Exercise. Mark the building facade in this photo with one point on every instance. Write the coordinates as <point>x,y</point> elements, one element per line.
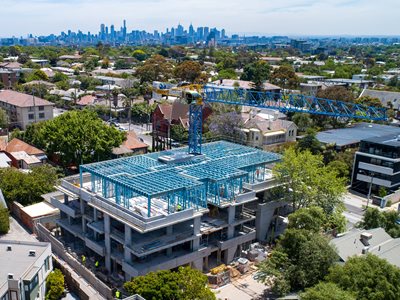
<point>24,269</point>
<point>164,210</point>
<point>377,165</point>
<point>24,109</point>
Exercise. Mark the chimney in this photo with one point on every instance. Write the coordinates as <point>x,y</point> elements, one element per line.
<point>10,276</point>
<point>365,237</point>
<point>9,248</point>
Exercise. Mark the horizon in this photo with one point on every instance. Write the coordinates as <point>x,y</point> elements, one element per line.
<point>309,17</point>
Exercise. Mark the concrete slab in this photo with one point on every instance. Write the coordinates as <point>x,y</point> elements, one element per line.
<point>18,233</point>
<point>245,288</point>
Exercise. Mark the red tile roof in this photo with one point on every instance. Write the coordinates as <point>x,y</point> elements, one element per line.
<point>132,142</point>
<point>21,100</point>
<point>86,100</point>
<point>16,145</point>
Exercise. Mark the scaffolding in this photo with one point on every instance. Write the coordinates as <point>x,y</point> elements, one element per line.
<point>151,188</point>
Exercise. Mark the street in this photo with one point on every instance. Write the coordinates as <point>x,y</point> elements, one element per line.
<point>354,208</point>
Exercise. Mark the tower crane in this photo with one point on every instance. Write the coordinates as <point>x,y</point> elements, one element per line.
<point>196,97</point>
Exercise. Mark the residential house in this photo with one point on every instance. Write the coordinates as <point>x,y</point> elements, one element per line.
<point>247,85</point>
<point>24,269</point>
<point>24,109</point>
<point>5,161</point>
<point>375,241</point>
<point>388,99</point>
<point>23,155</point>
<point>262,133</point>
<point>131,146</point>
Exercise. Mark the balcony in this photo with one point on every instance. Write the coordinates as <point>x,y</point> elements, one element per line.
<point>159,243</point>
<point>377,181</point>
<point>247,234</point>
<point>117,235</point>
<point>375,168</point>
<point>97,226</point>
<point>72,208</point>
<point>75,229</point>
<point>96,246</point>
<point>262,186</point>
<point>245,197</point>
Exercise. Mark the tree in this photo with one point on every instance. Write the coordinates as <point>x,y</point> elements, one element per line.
<point>4,219</point>
<point>54,285</point>
<point>184,284</point>
<point>303,121</point>
<point>326,291</point>
<point>308,182</point>
<point>310,142</point>
<point>369,101</point>
<point>285,77</point>
<point>336,93</point>
<point>122,64</point>
<point>27,188</point>
<point>227,125</point>
<point>301,259</point>
<point>59,77</point>
<point>312,218</point>
<point>373,218</point>
<point>156,68</point>
<point>23,58</point>
<point>140,55</point>
<point>179,133</point>
<point>77,137</point>
<point>37,75</point>
<point>14,50</point>
<point>3,118</point>
<point>367,277</point>
<point>227,74</point>
<point>188,71</point>
<point>257,72</point>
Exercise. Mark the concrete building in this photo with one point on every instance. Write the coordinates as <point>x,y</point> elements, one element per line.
<point>168,209</point>
<point>24,109</point>
<point>24,269</point>
<point>377,164</point>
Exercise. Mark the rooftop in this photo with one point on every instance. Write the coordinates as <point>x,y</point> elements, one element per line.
<point>21,266</point>
<point>39,209</point>
<point>21,99</point>
<point>216,175</point>
<point>16,145</point>
<point>352,135</point>
<point>389,140</point>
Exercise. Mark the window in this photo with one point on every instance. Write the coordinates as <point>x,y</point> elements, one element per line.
<point>47,264</point>
<point>34,282</point>
<point>41,108</point>
<point>31,108</point>
<point>31,116</point>
<point>41,115</point>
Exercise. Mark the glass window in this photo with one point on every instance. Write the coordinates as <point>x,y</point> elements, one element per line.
<point>41,115</point>
<point>47,264</point>
<point>41,108</point>
<point>31,116</point>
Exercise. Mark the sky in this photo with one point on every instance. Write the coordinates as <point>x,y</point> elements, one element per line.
<point>268,17</point>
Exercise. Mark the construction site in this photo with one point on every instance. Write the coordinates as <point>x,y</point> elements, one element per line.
<point>168,209</point>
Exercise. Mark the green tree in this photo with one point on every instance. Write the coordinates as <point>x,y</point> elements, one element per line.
<point>285,77</point>
<point>37,75</point>
<point>326,291</point>
<point>310,142</point>
<point>4,219</point>
<point>301,259</point>
<point>122,64</point>
<point>77,137</point>
<point>3,118</point>
<point>367,277</point>
<point>179,133</point>
<point>308,182</point>
<point>336,93</point>
<point>27,188</point>
<point>374,218</point>
<point>14,50</point>
<point>310,218</point>
<point>227,74</point>
<point>59,77</point>
<point>140,55</point>
<point>184,284</point>
<point>54,285</point>
<point>369,101</point>
<point>257,72</point>
<point>156,68</point>
<point>188,71</point>
<point>303,121</point>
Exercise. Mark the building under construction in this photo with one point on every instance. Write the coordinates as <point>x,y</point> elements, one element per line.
<point>167,209</point>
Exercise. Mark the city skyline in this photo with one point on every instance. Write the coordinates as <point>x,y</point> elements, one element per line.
<point>302,17</point>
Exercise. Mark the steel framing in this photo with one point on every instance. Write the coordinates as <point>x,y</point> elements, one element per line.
<point>216,177</point>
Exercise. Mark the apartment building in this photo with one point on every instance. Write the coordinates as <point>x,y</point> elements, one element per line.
<point>24,109</point>
<point>377,164</point>
<point>24,269</point>
<point>168,209</point>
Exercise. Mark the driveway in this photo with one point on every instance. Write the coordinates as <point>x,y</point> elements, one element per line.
<point>245,288</point>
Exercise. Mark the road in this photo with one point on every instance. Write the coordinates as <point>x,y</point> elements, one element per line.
<point>354,208</point>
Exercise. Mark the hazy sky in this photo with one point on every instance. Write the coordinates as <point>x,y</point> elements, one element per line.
<point>290,17</point>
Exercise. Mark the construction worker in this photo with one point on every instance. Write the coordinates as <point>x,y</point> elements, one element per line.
<point>117,294</point>
<point>178,207</point>
<point>96,264</point>
<point>83,259</point>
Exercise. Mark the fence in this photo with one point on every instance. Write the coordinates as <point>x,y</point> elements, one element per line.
<point>60,251</point>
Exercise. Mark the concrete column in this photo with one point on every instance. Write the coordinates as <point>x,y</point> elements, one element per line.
<point>219,256</point>
<point>107,241</point>
<point>94,214</point>
<point>264,216</point>
<point>198,264</point>
<point>169,251</point>
<point>196,225</point>
<point>229,255</point>
<point>231,219</point>
<point>66,199</point>
<point>206,262</point>
<point>82,205</point>
<point>196,244</point>
<point>128,242</point>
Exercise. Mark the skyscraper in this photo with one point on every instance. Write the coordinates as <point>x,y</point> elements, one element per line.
<point>206,32</point>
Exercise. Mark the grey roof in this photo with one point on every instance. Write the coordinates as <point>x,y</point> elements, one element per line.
<point>381,244</point>
<point>352,135</point>
<point>17,261</point>
<point>389,140</point>
<point>384,96</point>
